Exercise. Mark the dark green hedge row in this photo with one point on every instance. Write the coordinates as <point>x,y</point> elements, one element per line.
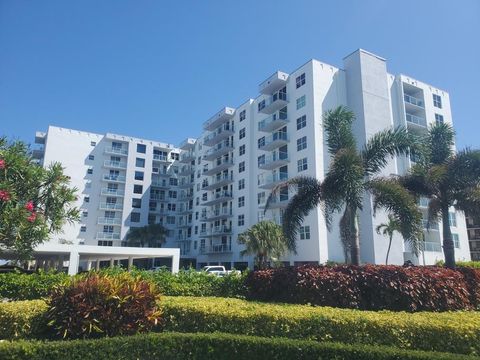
<point>205,346</point>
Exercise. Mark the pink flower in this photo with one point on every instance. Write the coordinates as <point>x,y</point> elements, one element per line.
<point>32,217</point>
<point>2,164</point>
<point>29,206</point>
<point>4,195</point>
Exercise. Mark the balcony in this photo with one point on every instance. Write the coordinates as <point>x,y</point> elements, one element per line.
<point>159,184</point>
<point>409,99</point>
<point>107,236</point>
<point>112,192</point>
<point>186,170</point>
<point>38,151</point>
<point>216,249</point>
<point>217,151</point>
<point>110,206</point>
<point>269,182</point>
<point>433,225</point>
<point>109,221</point>
<point>415,120</point>
<point>277,202</point>
<point>219,118</point>
<point>423,202</point>
<point>219,197</point>
<point>114,178</point>
<point>185,184</point>
<point>161,158</point>
<point>185,197</point>
<point>218,231</point>
<point>273,161</point>
<point>115,164</point>
<point>218,214</point>
<point>273,83</point>
<point>219,134</point>
<point>273,103</point>
<point>431,246</point>
<point>218,166</point>
<point>273,122</point>
<point>159,211</point>
<point>274,141</point>
<point>116,151</point>
<point>218,181</point>
<point>184,224</point>
<point>183,210</point>
<point>187,157</point>
<point>187,144</point>
<point>157,197</point>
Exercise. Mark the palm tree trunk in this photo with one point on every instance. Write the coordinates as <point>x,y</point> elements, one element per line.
<point>355,240</point>
<point>388,250</point>
<point>448,247</point>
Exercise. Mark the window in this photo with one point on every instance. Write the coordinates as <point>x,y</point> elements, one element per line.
<point>91,157</point>
<point>174,156</point>
<point>456,240</point>
<point>85,213</point>
<point>302,164</point>
<point>173,181</point>
<point>172,194</point>
<point>300,80</point>
<point>241,220</point>
<point>243,115</point>
<point>135,217</point>
<point>301,122</point>
<point>86,199</point>
<point>93,143</point>
<point>300,102</point>
<point>139,175</point>
<point>304,232</point>
<point>83,228</point>
<point>137,189</point>
<point>437,101</point>
<point>261,142</point>
<point>241,167</point>
<point>141,148</point>
<point>261,105</point>
<point>241,201</point>
<point>136,203</point>
<point>261,198</point>
<point>105,243</point>
<point>439,119</point>
<point>171,220</point>
<point>139,162</point>
<point>90,171</point>
<point>452,219</point>
<point>241,184</point>
<point>241,150</point>
<point>241,134</point>
<point>302,143</point>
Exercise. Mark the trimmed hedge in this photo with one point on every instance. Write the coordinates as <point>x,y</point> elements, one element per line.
<point>19,286</point>
<point>23,319</point>
<point>369,287</point>
<point>205,346</point>
<point>455,332</point>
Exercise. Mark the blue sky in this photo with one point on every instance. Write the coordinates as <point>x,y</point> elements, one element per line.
<point>158,69</point>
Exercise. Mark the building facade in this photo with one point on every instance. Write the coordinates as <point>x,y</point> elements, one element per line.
<point>473,228</point>
<point>223,178</point>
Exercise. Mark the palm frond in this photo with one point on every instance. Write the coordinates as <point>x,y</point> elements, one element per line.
<point>383,145</point>
<point>440,143</point>
<point>338,128</point>
<point>434,213</point>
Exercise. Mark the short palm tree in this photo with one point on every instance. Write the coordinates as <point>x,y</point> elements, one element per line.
<point>447,178</point>
<point>352,173</point>
<point>387,229</point>
<point>265,240</point>
<point>152,235</point>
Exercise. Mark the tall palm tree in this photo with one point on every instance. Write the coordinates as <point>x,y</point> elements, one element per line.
<point>352,172</point>
<point>447,178</point>
<point>152,235</point>
<point>265,240</point>
<point>387,229</point>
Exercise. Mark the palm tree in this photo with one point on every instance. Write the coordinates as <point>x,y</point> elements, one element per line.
<point>447,179</point>
<point>265,240</point>
<point>387,229</point>
<point>352,172</point>
<point>152,235</point>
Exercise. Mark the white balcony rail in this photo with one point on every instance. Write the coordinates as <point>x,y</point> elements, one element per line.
<point>109,221</point>
<point>108,236</point>
<point>116,192</point>
<point>413,100</point>
<point>115,164</point>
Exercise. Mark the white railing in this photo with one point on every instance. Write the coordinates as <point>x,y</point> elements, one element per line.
<point>118,151</point>
<point>413,100</point>
<point>108,236</point>
<point>115,164</point>
<point>415,119</point>
<point>109,221</point>
<point>110,206</point>
<point>114,192</point>
<point>119,178</point>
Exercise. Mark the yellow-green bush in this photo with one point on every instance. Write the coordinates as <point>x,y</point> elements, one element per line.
<point>22,319</point>
<point>457,332</point>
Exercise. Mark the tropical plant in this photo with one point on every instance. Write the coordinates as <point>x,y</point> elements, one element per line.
<point>152,235</point>
<point>447,178</point>
<point>265,240</point>
<point>352,173</point>
<point>387,229</point>
<point>34,201</point>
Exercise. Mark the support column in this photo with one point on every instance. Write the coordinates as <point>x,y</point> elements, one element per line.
<point>176,261</point>
<point>130,263</point>
<point>73,263</point>
<point>97,264</point>
<point>89,265</point>
<point>112,262</point>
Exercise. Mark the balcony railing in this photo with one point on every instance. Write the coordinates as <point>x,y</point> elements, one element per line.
<point>218,181</point>
<point>157,197</point>
<point>277,139</point>
<point>274,160</point>
<point>159,184</point>
<point>220,117</point>
<point>219,134</point>
<point>115,178</point>
<point>115,164</point>
<point>273,122</point>
<point>413,100</point>
<point>112,192</point>
<point>417,120</point>
<point>107,236</point>
<point>160,157</point>
<point>110,206</point>
<point>218,150</point>
<point>109,221</point>
<point>272,180</point>
<point>431,246</point>
<point>433,225</point>
<point>218,166</point>
<point>274,103</point>
<point>116,151</point>
<point>218,213</point>
<point>215,249</point>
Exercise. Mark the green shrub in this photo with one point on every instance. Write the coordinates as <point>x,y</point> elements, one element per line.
<point>98,305</point>
<point>456,332</point>
<point>22,319</point>
<point>470,264</point>
<point>206,346</point>
<point>20,286</point>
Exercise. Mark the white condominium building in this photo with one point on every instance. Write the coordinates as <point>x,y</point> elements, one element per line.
<point>218,185</point>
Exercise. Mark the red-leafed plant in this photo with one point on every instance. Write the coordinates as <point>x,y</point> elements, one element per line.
<point>369,287</point>
<point>99,305</point>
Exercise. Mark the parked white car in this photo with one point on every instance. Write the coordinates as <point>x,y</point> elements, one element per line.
<point>219,270</point>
